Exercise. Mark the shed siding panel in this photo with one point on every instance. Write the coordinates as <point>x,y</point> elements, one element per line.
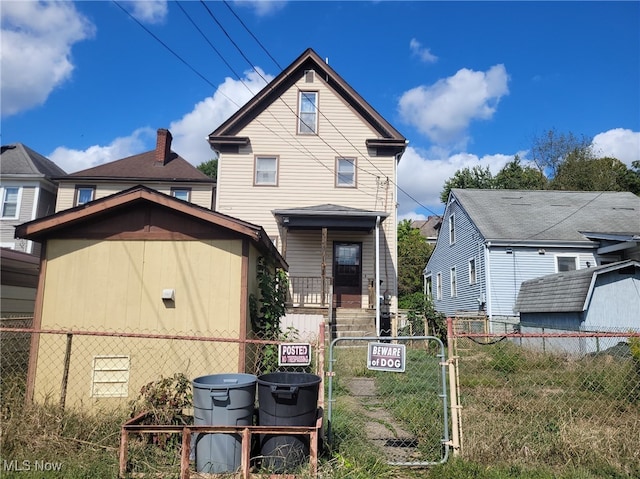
<point>615,303</point>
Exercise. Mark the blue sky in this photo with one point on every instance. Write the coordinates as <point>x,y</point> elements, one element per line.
<point>467,83</point>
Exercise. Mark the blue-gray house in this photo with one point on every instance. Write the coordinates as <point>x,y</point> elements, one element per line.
<point>491,241</point>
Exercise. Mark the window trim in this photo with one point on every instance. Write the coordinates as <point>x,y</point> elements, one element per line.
<point>353,162</point>
<point>76,196</point>
<point>453,282</point>
<point>255,170</point>
<point>175,189</point>
<point>473,279</point>
<point>17,203</point>
<point>452,228</point>
<point>125,382</point>
<point>428,287</point>
<point>300,121</point>
<point>439,286</point>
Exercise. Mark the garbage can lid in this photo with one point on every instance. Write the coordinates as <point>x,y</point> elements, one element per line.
<point>289,378</point>
<point>229,380</point>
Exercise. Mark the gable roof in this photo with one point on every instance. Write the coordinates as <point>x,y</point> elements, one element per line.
<point>160,164</point>
<point>569,291</point>
<point>388,136</point>
<point>18,160</point>
<point>549,215</point>
<point>104,210</point>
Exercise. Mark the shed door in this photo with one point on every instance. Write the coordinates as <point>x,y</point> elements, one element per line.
<point>347,274</point>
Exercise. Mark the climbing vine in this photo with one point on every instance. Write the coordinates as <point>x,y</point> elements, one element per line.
<point>267,308</point>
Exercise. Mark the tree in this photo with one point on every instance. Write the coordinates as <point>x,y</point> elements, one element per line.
<point>413,253</point>
<point>551,149</point>
<point>209,168</point>
<point>476,177</point>
<point>514,176</point>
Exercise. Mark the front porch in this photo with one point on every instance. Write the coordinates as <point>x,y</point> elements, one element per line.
<point>318,292</point>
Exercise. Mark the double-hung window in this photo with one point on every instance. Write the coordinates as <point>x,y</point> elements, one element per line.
<point>266,171</point>
<point>454,283</point>
<point>84,194</point>
<point>346,172</point>
<point>10,195</point>
<point>439,286</point>
<point>473,278</point>
<point>452,229</point>
<point>308,113</point>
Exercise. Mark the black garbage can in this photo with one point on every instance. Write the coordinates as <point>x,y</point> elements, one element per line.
<point>222,400</point>
<point>286,399</point>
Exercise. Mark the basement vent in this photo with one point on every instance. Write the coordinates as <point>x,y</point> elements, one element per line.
<point>309,76</point>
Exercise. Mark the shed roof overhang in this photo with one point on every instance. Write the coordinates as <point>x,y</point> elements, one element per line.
<point>329,216</point>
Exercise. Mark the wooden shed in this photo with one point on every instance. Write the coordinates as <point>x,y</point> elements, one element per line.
<point>143,262</point>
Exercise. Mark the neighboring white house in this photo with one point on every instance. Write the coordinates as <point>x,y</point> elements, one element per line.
<point>27,191</point>
<point>493,240</point>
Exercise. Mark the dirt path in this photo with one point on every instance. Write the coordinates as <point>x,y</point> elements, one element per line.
<point>383,430</point>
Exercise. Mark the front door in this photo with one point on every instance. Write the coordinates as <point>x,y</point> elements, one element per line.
<point>347,275</point>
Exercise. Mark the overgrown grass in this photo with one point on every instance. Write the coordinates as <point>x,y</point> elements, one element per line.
<point>42,440</point>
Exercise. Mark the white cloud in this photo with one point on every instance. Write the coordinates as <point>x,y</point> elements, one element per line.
<point>77,160</point>
<point>444,110</point>
<point>189,133</point>
<point>35,58</point>
<point>262,7</point>
<point>422,175</point>
<point>421,52</point>
<point>618,143</point>
<point>149,11</point>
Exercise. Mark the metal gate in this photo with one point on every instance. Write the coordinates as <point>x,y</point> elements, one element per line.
<point>387,398</point>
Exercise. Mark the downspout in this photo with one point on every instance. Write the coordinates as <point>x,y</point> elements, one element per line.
<point>377,276</point>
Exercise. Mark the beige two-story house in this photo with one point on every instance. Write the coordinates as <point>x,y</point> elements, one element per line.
<point>161,169</point>
<point>313,163</point>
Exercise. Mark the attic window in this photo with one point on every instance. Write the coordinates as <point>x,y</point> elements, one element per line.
<point>309,76</point>
<point>308,113</point>
<point>84,194</point>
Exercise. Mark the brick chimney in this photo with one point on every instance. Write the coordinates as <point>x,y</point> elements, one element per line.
<point>163,147</point>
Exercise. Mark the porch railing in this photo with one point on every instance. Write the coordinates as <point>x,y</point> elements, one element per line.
<point>310,291</point>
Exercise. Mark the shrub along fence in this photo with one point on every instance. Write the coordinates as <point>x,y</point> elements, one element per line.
<point>565,399</point>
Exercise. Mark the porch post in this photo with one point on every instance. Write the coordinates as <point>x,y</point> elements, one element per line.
<point>323,266</point>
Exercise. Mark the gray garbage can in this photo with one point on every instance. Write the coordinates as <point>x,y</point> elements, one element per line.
<point>286,399</point>
<point>222,400</point>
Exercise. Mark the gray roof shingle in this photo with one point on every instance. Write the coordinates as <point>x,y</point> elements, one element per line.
<point>549,215</point>
<point>20,160</point>
<point>562,292</point>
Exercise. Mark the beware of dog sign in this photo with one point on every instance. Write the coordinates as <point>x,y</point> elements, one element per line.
<point>386,357</point>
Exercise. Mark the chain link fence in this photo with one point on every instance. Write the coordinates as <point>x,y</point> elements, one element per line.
<point>381,411</point>
<point>566,399</point>
<point>101,377</point>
